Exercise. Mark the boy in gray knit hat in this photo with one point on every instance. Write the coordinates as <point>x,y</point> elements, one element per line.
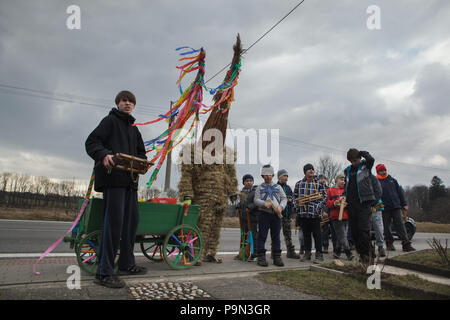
<point>268,219</point>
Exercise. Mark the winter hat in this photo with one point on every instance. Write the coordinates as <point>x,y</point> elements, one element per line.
<point>307,167</point>
<point>282,172</point>
<point>267,170</point>
<point>247,176</point>
<point>381,167</point>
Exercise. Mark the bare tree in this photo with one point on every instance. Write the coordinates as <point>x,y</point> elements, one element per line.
<point>330,168</point>
<point>6,177</point>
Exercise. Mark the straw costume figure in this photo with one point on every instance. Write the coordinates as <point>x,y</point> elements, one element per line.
<point>212,180</point>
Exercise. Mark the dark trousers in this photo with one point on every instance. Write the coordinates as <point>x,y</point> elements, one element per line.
<point>311,227</point>
<point>326,230</point>
<point>269,221</point>
<point>394,216</point>
<point>120,221</point>
<point>359,219</point>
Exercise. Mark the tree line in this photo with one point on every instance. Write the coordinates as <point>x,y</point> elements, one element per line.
<point>426,203</point>
<point>429,203</point>
<point>30,192</point>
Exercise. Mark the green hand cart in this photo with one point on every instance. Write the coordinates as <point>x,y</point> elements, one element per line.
<point>166,232</point>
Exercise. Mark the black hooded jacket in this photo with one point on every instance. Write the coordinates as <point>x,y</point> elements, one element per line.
<point>114,134</point>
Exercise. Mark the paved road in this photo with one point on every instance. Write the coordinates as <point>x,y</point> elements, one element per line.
<point>24,236</point>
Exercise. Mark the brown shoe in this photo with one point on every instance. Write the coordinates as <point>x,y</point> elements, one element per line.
<point>408,248</point>
<point>390,246</point>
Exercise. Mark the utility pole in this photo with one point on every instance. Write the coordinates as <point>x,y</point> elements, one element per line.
<point>168,161</point>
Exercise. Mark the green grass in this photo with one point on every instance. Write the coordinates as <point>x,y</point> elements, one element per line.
<point>424,257</point>
<point>415,282</point>
<point>340,287</point>
<point>327,285</point>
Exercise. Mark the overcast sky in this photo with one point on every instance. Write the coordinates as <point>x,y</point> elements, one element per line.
<point>321,77</point>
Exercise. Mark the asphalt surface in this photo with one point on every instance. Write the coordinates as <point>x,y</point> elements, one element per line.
<point>25,236</point>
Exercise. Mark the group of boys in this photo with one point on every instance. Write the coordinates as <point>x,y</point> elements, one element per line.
<point>116,133</point>
<point>348,211</point>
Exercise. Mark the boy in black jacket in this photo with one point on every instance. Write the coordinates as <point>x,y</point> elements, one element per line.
<point>114,134</point>
<point>360,195</point>
<point>394,201</point>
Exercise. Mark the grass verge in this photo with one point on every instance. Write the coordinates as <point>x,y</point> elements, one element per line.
<point>37,214</point>
<point>408,281</point>
<point>327,285</point>
<point>427,258</point>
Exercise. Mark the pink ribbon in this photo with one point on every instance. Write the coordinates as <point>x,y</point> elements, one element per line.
<point>53,246</point>
<point>174,251</point>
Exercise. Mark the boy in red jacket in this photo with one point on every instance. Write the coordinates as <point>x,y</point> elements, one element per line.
<point>334,196</point>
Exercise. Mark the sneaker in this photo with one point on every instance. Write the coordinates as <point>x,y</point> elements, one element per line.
<point>109,281</point>
<point>318,258</point>
<point>381,251</point>
<point>336,255</point>
<point>134,270</point>
<point>306,257</point>
<point>291,254</point>
<point>262,261</point>
<point>349,255</point>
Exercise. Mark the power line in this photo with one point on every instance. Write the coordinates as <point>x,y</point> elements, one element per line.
<point>71,96</point>
<point>298,143</point>
<point>144,112</point>
<point>287,140</point>
<point>259,39</point>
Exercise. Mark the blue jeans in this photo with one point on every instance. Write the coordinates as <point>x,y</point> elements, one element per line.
<point>377,226</point>
<point>341,228</point>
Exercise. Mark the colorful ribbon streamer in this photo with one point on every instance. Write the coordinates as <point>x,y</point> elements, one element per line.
<point>188,105</point>
<point>77,219</point>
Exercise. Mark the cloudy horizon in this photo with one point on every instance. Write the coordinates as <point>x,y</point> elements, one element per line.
<point>321,77</point>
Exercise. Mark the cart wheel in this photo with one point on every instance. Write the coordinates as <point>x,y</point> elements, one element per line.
<point>88,251</point>
<point>152,250</point>
<point>182,246</point>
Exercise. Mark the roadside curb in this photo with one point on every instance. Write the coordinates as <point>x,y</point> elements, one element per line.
<point>417,267</point>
